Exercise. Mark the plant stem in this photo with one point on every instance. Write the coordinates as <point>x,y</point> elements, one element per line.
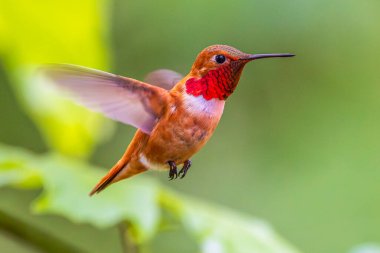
<point>34,236</point>
<point>126,240</point>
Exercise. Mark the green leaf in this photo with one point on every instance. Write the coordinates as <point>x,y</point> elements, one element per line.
<point>67,31</point>
<point>220,230</point>
<point>66,187</point>
<point>66,184</point>
<point>14,170</point>
<point>139,201</point>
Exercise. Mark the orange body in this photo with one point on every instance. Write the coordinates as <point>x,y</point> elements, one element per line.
<point>184,128</point>
<point>175,116</point>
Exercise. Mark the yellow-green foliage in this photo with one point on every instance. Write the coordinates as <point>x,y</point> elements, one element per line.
<point>38,32</point>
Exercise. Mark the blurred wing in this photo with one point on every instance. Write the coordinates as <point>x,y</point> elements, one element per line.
<point>120,98</point>
<point>163,78</point>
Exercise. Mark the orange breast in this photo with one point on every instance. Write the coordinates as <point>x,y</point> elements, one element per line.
<point>186,127</point>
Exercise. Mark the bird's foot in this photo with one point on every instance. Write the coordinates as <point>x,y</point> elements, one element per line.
<point>185,168</point>
<point>173,170</point>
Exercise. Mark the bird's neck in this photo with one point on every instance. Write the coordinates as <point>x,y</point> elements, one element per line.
<point>217,83</point>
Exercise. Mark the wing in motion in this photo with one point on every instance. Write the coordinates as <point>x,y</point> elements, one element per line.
<point>163,78</point>
<point>120,98</point>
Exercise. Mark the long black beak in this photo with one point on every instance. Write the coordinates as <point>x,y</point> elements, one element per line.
<point>260,56</point>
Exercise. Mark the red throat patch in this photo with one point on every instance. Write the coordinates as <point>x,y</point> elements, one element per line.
<point>217,83</point>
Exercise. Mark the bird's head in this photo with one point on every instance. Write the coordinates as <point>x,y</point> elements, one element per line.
<point>217,69</point>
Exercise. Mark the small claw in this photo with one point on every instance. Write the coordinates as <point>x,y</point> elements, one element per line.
<point>173,170</point>
<point>186,166</point>
<point>173,175</point>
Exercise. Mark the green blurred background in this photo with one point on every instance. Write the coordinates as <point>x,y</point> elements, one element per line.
<point>298,144</point>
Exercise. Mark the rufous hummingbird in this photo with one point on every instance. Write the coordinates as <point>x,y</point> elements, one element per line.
<point>175,116</point>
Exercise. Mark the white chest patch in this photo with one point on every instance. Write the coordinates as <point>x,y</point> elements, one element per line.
<point>150,165</point>
<point>213,107</point>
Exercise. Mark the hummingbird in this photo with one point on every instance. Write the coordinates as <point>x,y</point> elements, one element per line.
<point>175,116</point>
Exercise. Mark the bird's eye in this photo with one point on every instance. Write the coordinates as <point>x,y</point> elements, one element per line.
<point>220,58</point>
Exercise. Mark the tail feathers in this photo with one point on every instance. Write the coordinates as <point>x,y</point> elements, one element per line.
<point>109,178</point>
